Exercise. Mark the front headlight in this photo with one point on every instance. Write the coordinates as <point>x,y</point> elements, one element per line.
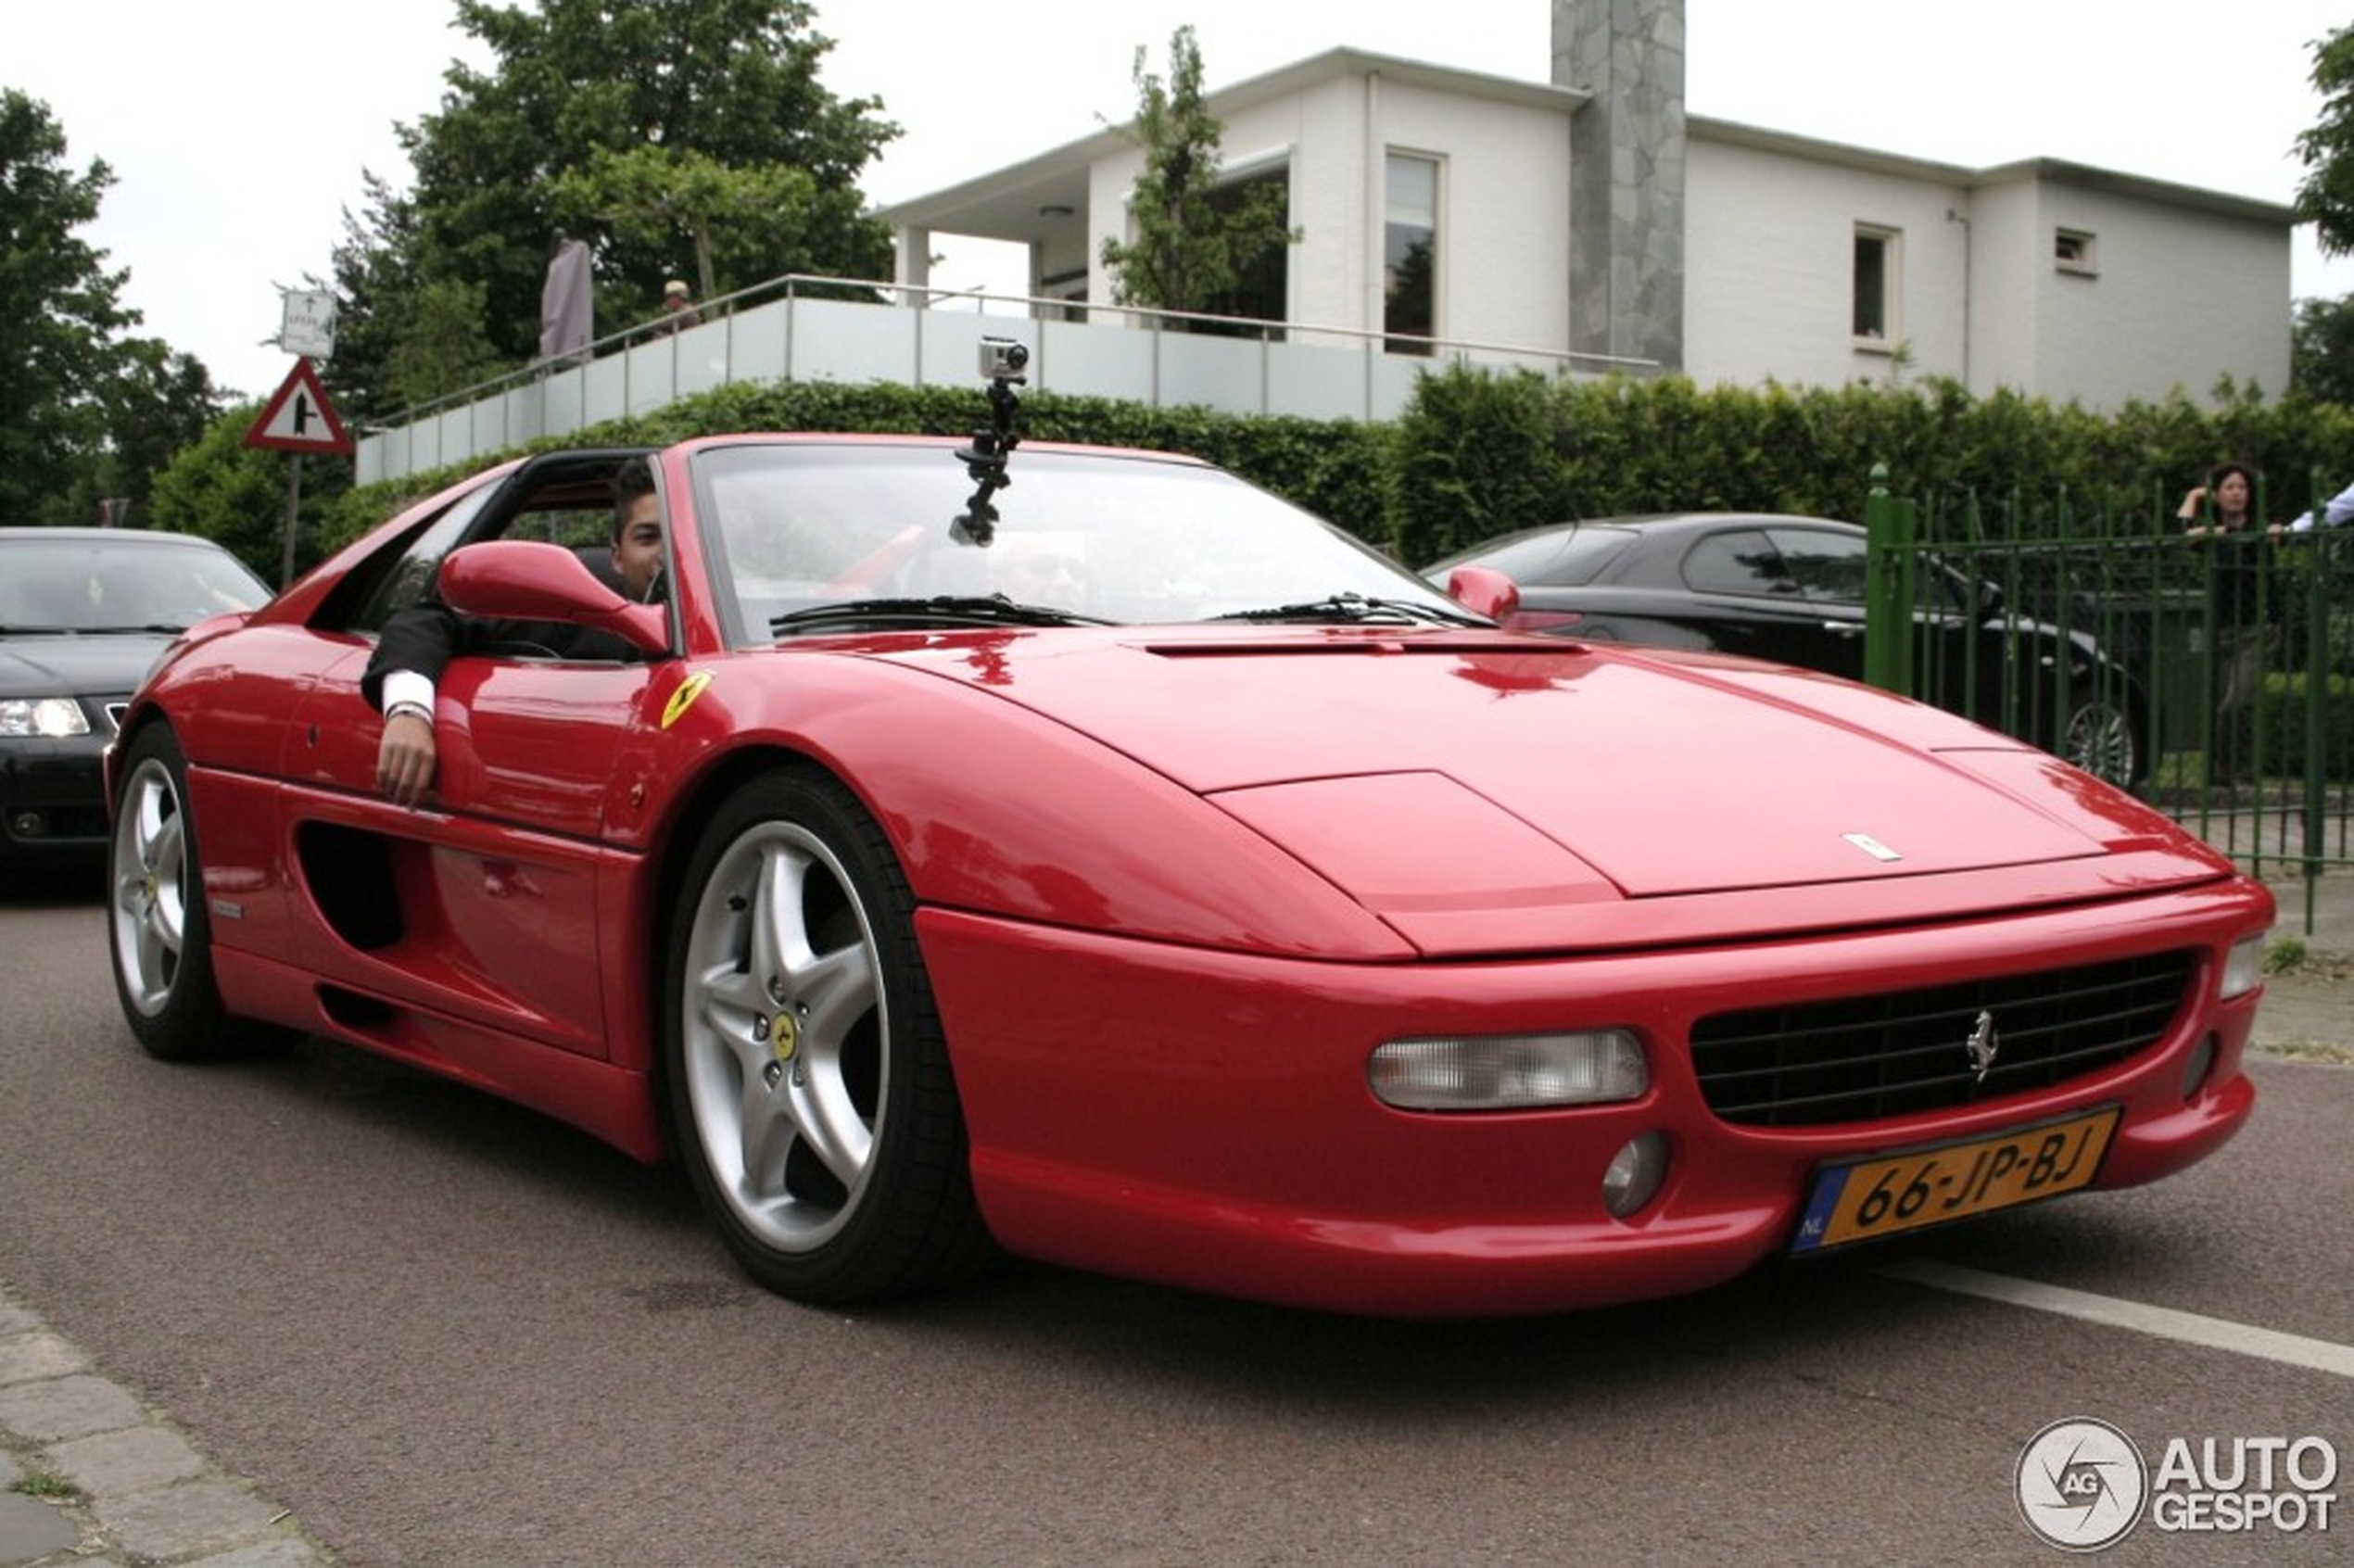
<point>2243,970</point>
<point>1510,1072</point>
<point>51,718</point>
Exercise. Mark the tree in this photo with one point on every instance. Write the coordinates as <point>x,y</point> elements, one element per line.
<point>2322,352</point>
<point>406,332</point>
<point>658,203</point>
<point>614,123</point>
<point>1195,241</point>
<point>58,315</point>
<point>2326,197</point>
<point>155,402</point>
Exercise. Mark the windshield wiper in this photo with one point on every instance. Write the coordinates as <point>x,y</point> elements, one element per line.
<point>1355,607</point>
<point>992,610</point>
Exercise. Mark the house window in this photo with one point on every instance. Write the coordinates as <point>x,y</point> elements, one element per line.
<point>2072,251</point>
<point>1876,276</point>
<point>1261,295</point>
<point>1410,252</point>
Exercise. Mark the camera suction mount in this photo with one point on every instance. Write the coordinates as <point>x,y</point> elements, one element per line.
<point>1002,361</point>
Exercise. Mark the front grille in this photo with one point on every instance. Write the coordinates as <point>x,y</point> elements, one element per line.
<point>115,708</point>
<point>1908,1051</point>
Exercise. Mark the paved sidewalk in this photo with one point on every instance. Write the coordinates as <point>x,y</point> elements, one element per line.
<point>88,1474</point>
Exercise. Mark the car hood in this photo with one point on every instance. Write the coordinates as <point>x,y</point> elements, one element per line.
<point>1435,775</point>
<point>88,663</point>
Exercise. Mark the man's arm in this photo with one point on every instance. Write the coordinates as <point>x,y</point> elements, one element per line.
<point>417,645</point>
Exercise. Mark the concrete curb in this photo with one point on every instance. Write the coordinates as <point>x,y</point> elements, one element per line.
<point>89,1474</point>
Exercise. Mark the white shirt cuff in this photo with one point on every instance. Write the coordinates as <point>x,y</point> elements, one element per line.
<point>406,685</point>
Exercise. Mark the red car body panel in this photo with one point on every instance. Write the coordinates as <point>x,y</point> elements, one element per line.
<point>1175,884</point>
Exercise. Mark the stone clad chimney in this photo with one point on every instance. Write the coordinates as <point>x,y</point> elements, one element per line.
<point>1626,175</point>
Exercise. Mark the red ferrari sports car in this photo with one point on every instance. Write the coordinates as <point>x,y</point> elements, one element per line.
<point>1124,868</point>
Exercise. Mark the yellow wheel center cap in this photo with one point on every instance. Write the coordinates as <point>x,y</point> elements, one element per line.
<point>784,1038</point>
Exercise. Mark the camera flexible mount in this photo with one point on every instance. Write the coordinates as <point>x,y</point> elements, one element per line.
<point>985,458</point>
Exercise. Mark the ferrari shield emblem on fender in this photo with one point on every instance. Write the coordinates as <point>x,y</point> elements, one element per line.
<point>684,698</point>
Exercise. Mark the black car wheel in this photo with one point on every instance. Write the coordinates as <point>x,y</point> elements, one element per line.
<point>808,1076</point>
<point>2101,738</point>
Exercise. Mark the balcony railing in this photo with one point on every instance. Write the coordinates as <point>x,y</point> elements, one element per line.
<point>801,328</point>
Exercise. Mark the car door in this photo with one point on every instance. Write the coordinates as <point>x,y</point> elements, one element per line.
<point>1765,592</point>
<point>483,903</point>
<point>481,910</point>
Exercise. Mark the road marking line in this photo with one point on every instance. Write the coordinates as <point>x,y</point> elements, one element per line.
<point>2218,1334</point>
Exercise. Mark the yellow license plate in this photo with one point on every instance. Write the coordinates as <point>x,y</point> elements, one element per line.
<point>1865,1199</point>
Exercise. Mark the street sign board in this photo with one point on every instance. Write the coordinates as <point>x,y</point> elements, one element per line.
<point>298,418</point>
<point>308,325</point>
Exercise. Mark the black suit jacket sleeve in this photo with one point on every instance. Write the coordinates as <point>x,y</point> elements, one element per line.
<point>424,637</point>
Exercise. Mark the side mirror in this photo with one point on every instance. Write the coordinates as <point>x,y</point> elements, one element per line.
<point>1484,590</point>
<point>524,580</point>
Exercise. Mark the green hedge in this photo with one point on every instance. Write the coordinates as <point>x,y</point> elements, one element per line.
<point>1475,455</point>
<point>2284,699</point>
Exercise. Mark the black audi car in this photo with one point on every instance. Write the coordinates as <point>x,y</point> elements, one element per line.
<point>84,613</point>
<point>1792,589</point>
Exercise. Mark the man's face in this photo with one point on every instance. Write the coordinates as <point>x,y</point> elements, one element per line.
<point>1049,567</point>
<point>637,554</point>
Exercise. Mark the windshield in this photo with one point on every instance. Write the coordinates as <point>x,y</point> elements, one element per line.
<point>1117,537</point>
<point>128,583</point>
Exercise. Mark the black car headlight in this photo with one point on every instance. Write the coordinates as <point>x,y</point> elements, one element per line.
<point>46,718</point>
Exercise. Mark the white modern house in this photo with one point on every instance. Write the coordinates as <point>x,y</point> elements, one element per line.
<point>1577,224</point>
<point>1587,216</point>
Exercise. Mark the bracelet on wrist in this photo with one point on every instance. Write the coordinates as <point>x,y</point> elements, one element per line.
<point>409,710</point>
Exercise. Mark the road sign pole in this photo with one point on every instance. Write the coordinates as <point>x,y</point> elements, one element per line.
<point>294,520</point>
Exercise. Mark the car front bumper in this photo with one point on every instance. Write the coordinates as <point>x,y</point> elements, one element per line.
<point>1205,1120</point>
<point>52,803</point>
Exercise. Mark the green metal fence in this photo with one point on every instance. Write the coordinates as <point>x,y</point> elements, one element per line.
<point>2215,676</point>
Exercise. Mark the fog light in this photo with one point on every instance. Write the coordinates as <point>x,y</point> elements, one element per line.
<point>2243,969</point>
<point>2196,1066</point>
<point>1509,1071</point>
<point>1635,1174</point>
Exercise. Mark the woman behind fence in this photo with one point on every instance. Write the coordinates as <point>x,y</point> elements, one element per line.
<point>2221,517</point>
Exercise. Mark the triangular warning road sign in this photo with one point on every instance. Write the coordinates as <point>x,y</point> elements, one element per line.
<point>298,418</point>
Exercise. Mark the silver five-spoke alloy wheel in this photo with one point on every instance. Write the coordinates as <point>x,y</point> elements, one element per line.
<point>150,876</point>
<point>787,1032</point>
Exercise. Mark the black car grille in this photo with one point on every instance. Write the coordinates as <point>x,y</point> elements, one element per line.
<point>1909,1051</point>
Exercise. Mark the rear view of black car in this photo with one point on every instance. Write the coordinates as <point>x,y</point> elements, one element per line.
<point>1792,590</point>
<point>84,613</point>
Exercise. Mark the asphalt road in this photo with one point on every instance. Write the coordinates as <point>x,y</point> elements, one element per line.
<point>444,1331</point>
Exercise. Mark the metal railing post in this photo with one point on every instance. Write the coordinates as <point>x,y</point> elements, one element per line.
<point>1888,592</point>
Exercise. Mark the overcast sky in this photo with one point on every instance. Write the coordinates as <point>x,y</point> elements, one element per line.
<point>237,129</point>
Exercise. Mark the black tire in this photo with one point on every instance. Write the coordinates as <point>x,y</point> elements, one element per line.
<point>807,1073</point>
<point>159,931</point>
<point>2102,737</point>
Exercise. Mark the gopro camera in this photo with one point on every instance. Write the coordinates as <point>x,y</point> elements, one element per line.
<point>1002,359</point>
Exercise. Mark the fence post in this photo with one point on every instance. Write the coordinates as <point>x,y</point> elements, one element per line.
<point>1888,587</point>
